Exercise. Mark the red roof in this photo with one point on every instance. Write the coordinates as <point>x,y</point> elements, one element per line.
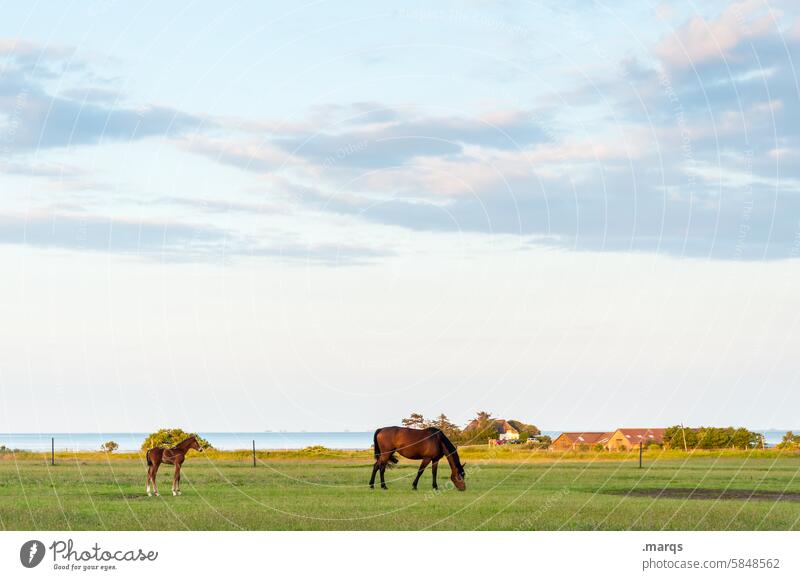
<point>647,434</point>
<point>584,437</point>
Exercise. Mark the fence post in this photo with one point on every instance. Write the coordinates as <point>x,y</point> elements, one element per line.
<point>52,450</point>
<point>254,452</point>
<point>640,454</point>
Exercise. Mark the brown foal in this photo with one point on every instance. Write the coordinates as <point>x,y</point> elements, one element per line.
<point>429,445</point>
<point>173,456</point>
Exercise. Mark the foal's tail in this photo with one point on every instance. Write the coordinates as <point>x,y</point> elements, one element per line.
<point>377,449</point>
<point>147,456</point>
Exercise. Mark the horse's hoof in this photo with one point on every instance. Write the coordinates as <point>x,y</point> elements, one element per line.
<point>372,487</point>
<point>174,493</point>
<point>179,493</point>
<point>413,488</point>
<point>384,487</point>
<point>156,494</point>
<point>149,494</point>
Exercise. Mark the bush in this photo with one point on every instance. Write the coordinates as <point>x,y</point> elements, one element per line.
<point>531,430</point>
<point>109,446</point>
<point>315,450</point>
<point>790,442</point>
<point>170,438</point>
<point>712,438</point>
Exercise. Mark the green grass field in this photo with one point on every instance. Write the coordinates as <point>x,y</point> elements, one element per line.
<point>505,492</point>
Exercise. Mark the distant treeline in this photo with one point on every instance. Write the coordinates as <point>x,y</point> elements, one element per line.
<point>679,437</point>
<point>478,431</point>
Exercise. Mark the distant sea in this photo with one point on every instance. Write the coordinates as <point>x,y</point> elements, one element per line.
<point>226,441</point>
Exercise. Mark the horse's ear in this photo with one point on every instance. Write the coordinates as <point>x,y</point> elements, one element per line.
<point>463,465</point>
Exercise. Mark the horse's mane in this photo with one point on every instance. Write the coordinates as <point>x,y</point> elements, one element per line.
<point>184,441</point>
<point>445,441</point>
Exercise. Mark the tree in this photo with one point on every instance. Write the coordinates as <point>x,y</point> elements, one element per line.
<point>170,438</point>
<point>526,430</point>
<point>483,418</point>
<point>480,429</point>
<point>712,438</point>
<point>674,437</point>
<point>415,421</point>
<point>444,424</point>
<point>109,446</point>
<point>745,439</point>
<point>531,430</point>
<point>789,442</point>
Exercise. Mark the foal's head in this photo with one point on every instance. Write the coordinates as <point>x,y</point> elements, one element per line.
<point>193,444</point>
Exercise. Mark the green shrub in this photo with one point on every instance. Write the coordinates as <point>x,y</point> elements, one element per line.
<point>678,437</point>
<point>315,450</point>
<point>109,446</point>
<point>170,438</point>
<point>790,442</point>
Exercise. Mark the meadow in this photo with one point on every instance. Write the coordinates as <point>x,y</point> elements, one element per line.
<point>508,489</point>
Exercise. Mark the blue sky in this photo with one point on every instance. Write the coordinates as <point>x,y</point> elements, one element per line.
<point>313,216</point>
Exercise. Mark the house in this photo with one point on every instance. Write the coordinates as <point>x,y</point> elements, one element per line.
<point>576,440</point>
<point>505,431</point>
<point>625,439</point>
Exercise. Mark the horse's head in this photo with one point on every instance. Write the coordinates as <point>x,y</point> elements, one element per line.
<point>195,445</point>
<point>457,477</point>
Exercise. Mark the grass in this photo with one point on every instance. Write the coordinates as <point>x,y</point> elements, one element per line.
<point>508,489</point>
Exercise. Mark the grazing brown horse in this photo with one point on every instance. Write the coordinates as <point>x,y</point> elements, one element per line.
<point>173,456</point>
<point>429,445</point>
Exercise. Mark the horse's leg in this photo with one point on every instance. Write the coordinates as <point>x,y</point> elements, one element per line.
<point>422,467</point>
<point>374,471</point>
<point>179,478</point>
<point>154,478</point>
<point>175,478</point>
<point>383,471</point>
<point>147,488</point>
<point>434,467</point>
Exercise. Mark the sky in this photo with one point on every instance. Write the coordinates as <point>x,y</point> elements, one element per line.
<point>317,216</point>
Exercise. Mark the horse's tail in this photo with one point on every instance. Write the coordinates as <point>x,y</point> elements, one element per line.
<point>375,444</point>
<point>147,456</point>
<point>377,449</point>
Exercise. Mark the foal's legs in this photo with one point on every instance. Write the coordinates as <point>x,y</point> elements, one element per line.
<point>153,478</point>
<point>422,467</point>
<point>176,480</point>
<point>434,467</point>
